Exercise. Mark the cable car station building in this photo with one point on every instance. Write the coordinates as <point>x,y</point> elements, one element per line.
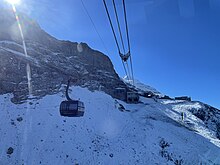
<point>126,95</point>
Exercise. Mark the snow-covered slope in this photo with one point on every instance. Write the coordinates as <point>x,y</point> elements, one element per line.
<point>141,87</point>
<point>147,133</point>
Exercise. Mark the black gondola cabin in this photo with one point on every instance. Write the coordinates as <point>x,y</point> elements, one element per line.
<point>72,108</point>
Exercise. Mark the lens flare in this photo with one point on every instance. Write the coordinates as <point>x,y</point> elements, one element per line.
<point>13,2</point>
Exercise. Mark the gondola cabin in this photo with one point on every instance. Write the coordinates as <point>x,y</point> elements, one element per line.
<point>72,108</point>
<point>132,97</point>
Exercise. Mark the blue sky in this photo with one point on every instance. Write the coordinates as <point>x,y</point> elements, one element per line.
<point>175,44</point>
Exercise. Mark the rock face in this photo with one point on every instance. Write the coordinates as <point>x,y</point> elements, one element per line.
<point>210,116</point>
<point>52,62</point>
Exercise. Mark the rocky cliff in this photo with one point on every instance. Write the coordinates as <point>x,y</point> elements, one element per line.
<point>52,61</point>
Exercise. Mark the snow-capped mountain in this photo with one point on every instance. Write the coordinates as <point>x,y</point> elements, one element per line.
<point>141,87</point>
<point>153,131</point>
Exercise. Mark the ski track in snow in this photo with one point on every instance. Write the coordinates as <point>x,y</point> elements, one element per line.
<point>104,135</point>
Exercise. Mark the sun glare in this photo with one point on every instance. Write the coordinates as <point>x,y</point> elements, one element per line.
<point>13,2</point>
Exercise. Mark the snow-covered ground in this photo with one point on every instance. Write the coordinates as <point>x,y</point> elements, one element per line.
<point>138,85</point>
<point>150,132</point>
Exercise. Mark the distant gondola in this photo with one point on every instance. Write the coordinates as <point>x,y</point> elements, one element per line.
<point>71,108</point>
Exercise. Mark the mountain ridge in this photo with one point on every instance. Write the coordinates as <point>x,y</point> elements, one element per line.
<point>49,58</point>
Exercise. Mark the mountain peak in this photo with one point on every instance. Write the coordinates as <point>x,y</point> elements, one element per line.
<point>32,31</point>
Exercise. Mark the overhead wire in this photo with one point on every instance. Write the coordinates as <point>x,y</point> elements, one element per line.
<point>129,47</point>
<point>129,78</point>
<point>124,67</point>
<point>119,28</point>
<point>120,33</point>
<point>110,21</point>
<point>113,31</point>
<point>127,71</point>
<point>87,12</point>
<point>126,25</point>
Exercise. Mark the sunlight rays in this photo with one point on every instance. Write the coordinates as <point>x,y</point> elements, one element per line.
<point>28,68</point>
<point>13,2</point>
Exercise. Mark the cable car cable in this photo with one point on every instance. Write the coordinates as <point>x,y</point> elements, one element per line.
<point>119,28</point>
<point>124,67</point>
<point>87,12</point>
<point>113,31</point>
<point>122,42</point>
<point>106,8</point>
<point>128,70</point>
<point>126,23</point>
<point>129,48</point>
<point>83,4</point>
